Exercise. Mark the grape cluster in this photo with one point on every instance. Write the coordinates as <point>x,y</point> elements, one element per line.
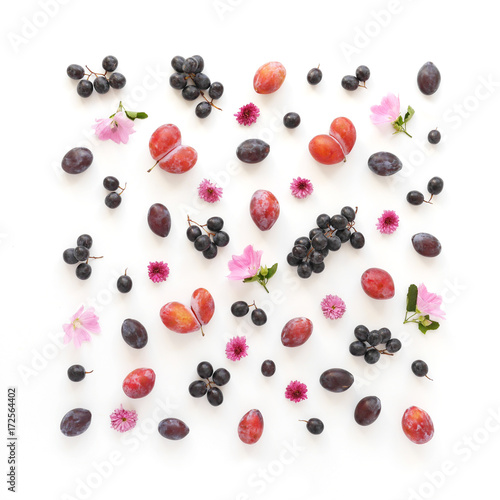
<point>192,82</point>
<point>308,252</point>
<point>102,82</point>
<point>210,384</point>
<point>209,242</point>
<point>434,186</point>
<point>351,83</point>
<point>80,254</point>
<point>113,199</point>
<point>241,308</point>
<point>367,342</point>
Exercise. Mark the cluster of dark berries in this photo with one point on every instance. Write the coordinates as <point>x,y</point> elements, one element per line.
<point>192,82</point>
<point>113,199</point>
<point>124,283</point>
<point>80,254</point>
<point>241,308</point>
<point>420,368</point>
<point>314,76</point>
<point>291,120</point>
<point>209,242</point>
<point>211,383</point>
<point>434,186</point>
<point>308,253</point>
<point>350,82</point>
<point>76,373</point>
<point>102,82</point>
<point>434,136</point>
<point>367,343</point>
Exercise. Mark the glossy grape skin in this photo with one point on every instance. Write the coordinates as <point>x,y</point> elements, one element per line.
<point>361,333</point>
<point>357,348</point>
<point>435,185</point>
<point>313,232</point>
<point>101,85</point>
<point>434,136</point>
<point>113,200</point>
<point>323,221</point>
<point>84,240</point>
<point>384,163</point>
<point>426,244</point>
<point>76,422</point>
<point>374,338</point>
<point>336,380</point>
<point>69,256</point>
<point>393,345</point>
<point>338,222</point>
<point>385,334</point>
<point>349,213</point>
<point>362,73</point>
<point>215,223</point>
<point>198,388</point>
<point>334,243</point>
<point>81,253</point>
<point>415,198</point>
<point>117,81</point>
<point>177,63</point>
<point>314,76</point>
<point>110,63</point>
<point>419,368</point>
<point>291,120</point>
<point>124,284</point>
<point>253,151</point>
<point>417,425</point>
<point>318,268</point>
<point>268,368</point>
<point>192,232</point>
<point>304,270</point>
<point>299,251</point>
<point>220,238</point>
<point>357,240</point>
<point>76,373</point>
<point>290,258</point>
<point>178,80</point>
<point>173,429</point>
<point>372,356</point>
<point>111,183</point>
<point>319,241</point>
<point>316,257</point>
<point>159,220</point>
<point>190,92</point>
<point>259,317</point>
<point>205,369</point>
<point>350,83</point>
<point>304,241</point>
<point>190,65</point>
<point>367,410</point>
<point>315,426</point>
<point>134,334</point>
<point>221,377</point>
<point>83,271</point>
<point>200,63</point>
<point>215,396</point>
<point>202,243</point>
<point>239,309</point>
<point>202,81</point>
<point>428,78</point>
<point>203,109</point>
<point>84,88</point>
<point>344,235</point>
<point>216,90</point>
<point>75,72</point>
<point>210,252</point>
<point>77,160</point>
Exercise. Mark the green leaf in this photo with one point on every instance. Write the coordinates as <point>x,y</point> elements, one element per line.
<point>434,325</point>
<point>422,328</point>
<point>253,278</point>
<point>272,271</point>
<point>409,114</point>
<point>141,115</point>
<point>131,114</point>
<point>411,298</point>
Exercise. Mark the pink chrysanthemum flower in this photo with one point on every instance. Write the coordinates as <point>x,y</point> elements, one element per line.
<point>301,188</point>
<point>81,324</point>
<point>123,420</point>
<point>236,348</point>
<point>247,114</point>
<point>388,222</point>
<point>388,110</point>
<point>118,128</point>
<point>333,307</point>
<point>429,303</point>
<point>158,271</point>
<point>296,391</point>
<point>209,191</point>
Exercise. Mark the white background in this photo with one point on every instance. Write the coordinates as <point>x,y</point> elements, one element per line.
<point>43,210</point>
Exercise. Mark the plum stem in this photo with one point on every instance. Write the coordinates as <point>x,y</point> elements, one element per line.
<point>153,166</point>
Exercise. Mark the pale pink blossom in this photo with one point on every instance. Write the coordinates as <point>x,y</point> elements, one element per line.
<point>246,265</point>
<point>388,110</point>
<point>429,303</point>
<point>81,323</point>
<point>118,128</point>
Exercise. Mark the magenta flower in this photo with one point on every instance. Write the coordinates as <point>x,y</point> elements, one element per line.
<point>246,265</point>
<point>333,307</point>
<point>388,222</point>
<point>209,191</point>
<point>387,112</point>
<point>236,348</point>
<point>247,114</point>
<point>81,324</point>
<point>429,303</point>
<point>301,188</point>
<point>296,391</point>
<point>158,271</point>
<point>123,420</point>
<point>118,128</point>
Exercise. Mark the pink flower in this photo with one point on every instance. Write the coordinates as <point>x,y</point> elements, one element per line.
<point>333,307</point>
<point>388,222</point>
<point>296,391</point>
<point>301,187</point>
<point>209,192</point>
<point>117,128</point>
<point>387,112</point>
<point>123,420</point>
<point>236,348</point>
<point>158,271</point>
<point>247,114</point>
<point>81,324</point>
<point>246,265</point>
<point>429,303</point>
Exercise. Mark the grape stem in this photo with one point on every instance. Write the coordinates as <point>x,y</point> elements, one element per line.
<point>381,351</point>
<point>94,73</point>
<point>209,102</point>
<point>87,261</point>
<point>200,225</point>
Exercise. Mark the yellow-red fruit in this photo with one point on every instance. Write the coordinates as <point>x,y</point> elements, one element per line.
<point>179,318</point>
<point>269,78</point>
